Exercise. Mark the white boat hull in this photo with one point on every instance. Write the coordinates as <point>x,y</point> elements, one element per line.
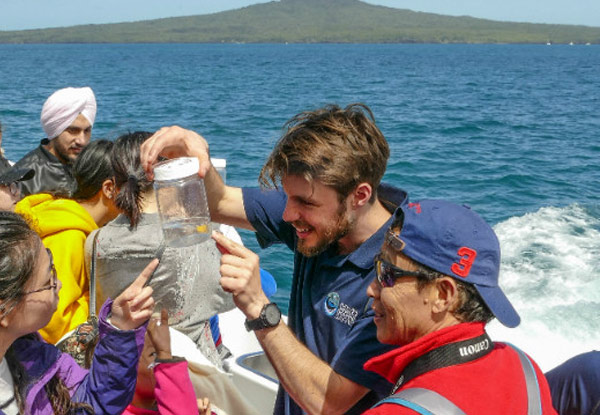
<point>251,371</point>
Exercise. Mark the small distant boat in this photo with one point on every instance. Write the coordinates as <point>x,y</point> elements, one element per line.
<point>549,43</point>
<point>571,43</point>
<point>587,44</point>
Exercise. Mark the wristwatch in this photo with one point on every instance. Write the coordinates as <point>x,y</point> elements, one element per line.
<point>270,316</point>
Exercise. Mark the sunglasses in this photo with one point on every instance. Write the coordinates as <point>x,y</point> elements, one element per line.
<point>53,278</point>
<point>388,273</point>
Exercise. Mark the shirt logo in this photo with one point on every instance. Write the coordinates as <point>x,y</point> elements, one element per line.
<point>346,314</point>
<point>332,303</point>
<point>338,310</point>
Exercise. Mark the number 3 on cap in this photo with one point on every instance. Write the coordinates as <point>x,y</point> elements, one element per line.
<point>463,266</point>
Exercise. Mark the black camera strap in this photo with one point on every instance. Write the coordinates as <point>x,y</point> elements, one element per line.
<point>447,355</point>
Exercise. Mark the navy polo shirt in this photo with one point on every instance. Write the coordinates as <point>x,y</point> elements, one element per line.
<point>575,385</point>
<point>329,310</point>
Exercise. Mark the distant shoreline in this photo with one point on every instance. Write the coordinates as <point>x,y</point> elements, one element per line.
<point>309,43</point>
<point>312,21</point>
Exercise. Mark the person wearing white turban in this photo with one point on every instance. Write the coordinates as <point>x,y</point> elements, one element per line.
<point>64,106</point>
<point>67,118</point>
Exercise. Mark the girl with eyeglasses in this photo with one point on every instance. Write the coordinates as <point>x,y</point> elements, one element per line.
<point>35,377</point>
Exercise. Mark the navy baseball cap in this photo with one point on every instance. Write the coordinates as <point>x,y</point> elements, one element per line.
<point>15,175</point>
<point>457,242</point>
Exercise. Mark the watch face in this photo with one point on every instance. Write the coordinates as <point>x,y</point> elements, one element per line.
<point>272,314</point>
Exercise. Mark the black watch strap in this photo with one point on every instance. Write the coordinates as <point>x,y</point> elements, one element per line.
<point>270,316</point>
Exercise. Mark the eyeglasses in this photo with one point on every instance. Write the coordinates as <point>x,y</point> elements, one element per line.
<point>387,273</point>
<point>7,307</point>
<point>53,280</point>
<point>13,188</point>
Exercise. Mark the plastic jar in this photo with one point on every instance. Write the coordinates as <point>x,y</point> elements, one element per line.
<point>182,204</point>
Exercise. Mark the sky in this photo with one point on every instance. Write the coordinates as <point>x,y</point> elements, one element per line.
<point>34,14</point>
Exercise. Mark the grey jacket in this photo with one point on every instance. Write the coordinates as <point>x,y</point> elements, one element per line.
<point>186,282</point>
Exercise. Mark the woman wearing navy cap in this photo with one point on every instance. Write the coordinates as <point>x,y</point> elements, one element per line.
<point>436,289</point>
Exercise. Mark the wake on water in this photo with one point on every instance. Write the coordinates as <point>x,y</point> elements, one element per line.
<point>550,272</point>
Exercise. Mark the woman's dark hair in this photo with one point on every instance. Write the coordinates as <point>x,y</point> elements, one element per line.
<point>130,177</point>
<point>19,247</point>
<point>92,168</point>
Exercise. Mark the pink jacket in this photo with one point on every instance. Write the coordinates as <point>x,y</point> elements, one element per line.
<point>174,392</point>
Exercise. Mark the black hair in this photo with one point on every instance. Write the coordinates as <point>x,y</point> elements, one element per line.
<point>92,167</point>
<point>130,178</point>
<point>19,246</point>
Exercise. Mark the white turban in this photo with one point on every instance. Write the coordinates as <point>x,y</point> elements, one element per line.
<point>64,106</point>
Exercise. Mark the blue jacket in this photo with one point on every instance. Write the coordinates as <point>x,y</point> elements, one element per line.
<point>109,384</point>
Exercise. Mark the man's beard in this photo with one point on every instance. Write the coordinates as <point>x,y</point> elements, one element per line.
<point>63,156</point>
<point>331,235</point>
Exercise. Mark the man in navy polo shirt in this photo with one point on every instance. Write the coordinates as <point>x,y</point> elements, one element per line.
<point>333,213</point>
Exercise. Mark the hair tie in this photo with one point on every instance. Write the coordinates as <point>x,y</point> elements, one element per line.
<point>132,181</point>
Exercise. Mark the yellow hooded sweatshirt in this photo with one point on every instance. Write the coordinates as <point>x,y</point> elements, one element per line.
<point>63,225</point>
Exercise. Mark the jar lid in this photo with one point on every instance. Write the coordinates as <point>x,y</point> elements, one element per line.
<point>176,168</point>
<point>218,163</point>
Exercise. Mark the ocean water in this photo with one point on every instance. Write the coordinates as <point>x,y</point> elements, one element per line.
<point>512,130</point>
